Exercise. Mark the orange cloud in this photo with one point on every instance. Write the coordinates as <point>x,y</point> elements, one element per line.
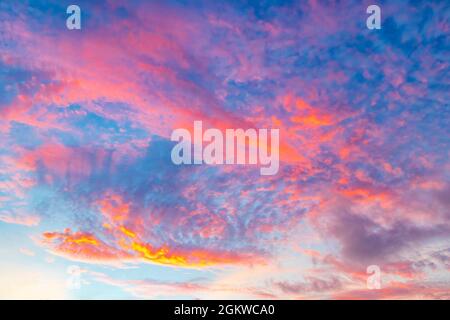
<point>366,194</point>
<point>89,248</point>
<point>83,246</point>
<point>114,207</point>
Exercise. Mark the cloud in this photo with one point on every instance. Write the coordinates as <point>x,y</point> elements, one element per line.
<point>26,220</point>
<point>80,246</point>
<point>85,121</point>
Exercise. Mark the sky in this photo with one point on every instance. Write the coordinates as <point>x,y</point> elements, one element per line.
<point>92,207</point>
